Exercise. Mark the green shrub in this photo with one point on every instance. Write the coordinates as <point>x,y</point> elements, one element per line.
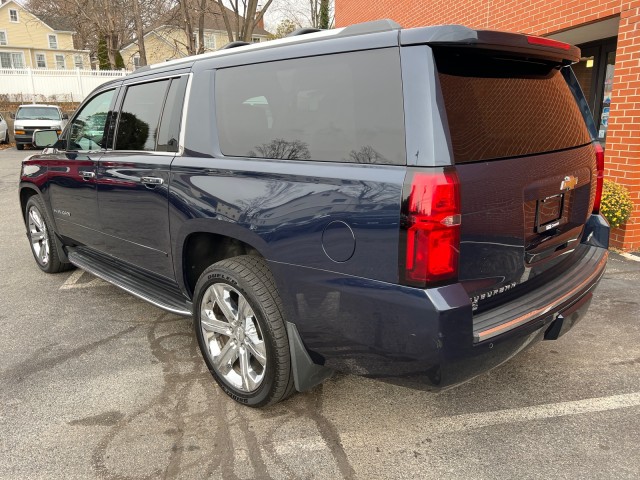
<point>616,203</point>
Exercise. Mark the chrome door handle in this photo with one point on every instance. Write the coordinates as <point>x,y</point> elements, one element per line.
<point>88,175</point>
<point>152,180</point>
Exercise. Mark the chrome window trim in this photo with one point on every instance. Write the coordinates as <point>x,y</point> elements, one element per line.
<point>168,76</point>
<point>183,120</point>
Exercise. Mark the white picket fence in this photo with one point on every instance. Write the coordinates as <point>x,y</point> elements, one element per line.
<point>26,85</point>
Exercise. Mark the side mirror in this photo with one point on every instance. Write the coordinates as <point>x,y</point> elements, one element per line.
<point>12,115</point>
<point>45,138</point>
<point>65,116</point>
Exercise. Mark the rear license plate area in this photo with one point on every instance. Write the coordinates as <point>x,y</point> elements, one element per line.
<point>549,212</point>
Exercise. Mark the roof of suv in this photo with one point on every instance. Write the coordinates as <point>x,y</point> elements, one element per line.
<point>440,34</point>
<point>299,36</point>
<point>39,105</point>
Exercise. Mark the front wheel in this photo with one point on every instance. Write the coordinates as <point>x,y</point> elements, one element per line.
<point>19,146</point>
<point>42,238</point>
<point>241,331</point>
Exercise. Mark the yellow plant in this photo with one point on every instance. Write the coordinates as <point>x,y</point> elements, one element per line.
<point>616,203</point>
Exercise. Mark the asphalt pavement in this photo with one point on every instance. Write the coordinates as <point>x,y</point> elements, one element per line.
<point>95,383</point>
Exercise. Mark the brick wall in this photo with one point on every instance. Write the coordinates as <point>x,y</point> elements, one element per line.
<point>623,136</point>
<point>541,17</point>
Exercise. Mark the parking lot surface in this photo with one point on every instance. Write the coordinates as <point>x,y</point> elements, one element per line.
<point>95,383</point>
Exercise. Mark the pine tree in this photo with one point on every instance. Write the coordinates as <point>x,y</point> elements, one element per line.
<point>103,55</point>
<point>324,14</point>
<point>119,61</point>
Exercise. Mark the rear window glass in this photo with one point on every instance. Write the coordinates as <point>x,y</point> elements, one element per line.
<point>341,108</point>
<point>506,107</point>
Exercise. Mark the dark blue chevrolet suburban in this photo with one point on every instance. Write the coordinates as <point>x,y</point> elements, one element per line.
<point>414,205</point>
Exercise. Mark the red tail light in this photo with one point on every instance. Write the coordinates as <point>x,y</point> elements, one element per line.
<point>547,42</point>
<point>431,222</point>
<point>600,177</point>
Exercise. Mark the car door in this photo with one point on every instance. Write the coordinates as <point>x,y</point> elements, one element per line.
<point>72,171</point>
<point>133,178</point>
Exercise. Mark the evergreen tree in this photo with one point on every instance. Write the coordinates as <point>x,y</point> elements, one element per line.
<point>324,14</point>
<point>285,27</point>
<point>119,61</point>
<point>103,55</point>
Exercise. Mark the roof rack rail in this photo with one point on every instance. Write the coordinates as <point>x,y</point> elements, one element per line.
<point>237,43</point>
<point>376,26</point>
<point>303,31</point>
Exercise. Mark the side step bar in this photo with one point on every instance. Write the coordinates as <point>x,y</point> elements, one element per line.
<point>160,293</point>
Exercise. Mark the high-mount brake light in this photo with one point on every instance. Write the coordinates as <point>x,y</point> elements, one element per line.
<point>431,220</point>
<point>600,178</point>
<point>547,42</point>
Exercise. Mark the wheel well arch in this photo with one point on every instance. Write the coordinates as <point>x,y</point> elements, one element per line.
<point>25,194</point>
<point>202,249</point>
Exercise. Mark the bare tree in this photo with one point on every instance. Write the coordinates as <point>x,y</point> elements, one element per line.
<point>201,14</point>
<point>137,18</point>
<point>314,12</point>
<point>116,21</point>
<point>242,18</point>
<point>193,13</point>
<point>306,13</point>
<point>188,26</point>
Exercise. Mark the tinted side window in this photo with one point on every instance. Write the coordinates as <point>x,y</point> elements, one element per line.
<point>342,108</point>
<point>140,115</point>
<point>87,130</point>
<point>171,116</point>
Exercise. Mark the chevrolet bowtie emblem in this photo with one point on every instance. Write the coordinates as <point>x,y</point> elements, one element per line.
<point>569,183</point>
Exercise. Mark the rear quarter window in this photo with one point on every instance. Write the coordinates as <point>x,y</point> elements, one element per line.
<point>341,108</point>
<point>500,107</point>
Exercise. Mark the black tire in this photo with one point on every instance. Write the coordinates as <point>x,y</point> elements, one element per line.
<point>250,277</point>
<point>19,146</point>
<point>46,256</point>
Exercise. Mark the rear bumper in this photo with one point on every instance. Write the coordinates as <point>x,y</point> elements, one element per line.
<point>428,338</point>
<point>545,313</point>
<point>554,297</point>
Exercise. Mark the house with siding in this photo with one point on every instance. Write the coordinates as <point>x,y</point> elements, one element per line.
<point>27,40</point>
<point>167,39</point>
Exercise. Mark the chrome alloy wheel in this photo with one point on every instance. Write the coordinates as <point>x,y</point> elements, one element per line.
<point>234,341</point>
<point>38,235</point>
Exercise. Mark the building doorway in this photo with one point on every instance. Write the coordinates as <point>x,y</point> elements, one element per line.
<point>595,74</point>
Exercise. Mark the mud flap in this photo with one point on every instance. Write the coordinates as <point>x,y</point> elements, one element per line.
<point>306,373</point>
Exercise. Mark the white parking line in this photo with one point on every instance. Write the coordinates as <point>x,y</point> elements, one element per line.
<point>420,427</point>
<point>536,412</point>
<point>630,257</point>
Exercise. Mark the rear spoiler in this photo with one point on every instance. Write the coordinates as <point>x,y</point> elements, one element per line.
<point>460,36</point>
